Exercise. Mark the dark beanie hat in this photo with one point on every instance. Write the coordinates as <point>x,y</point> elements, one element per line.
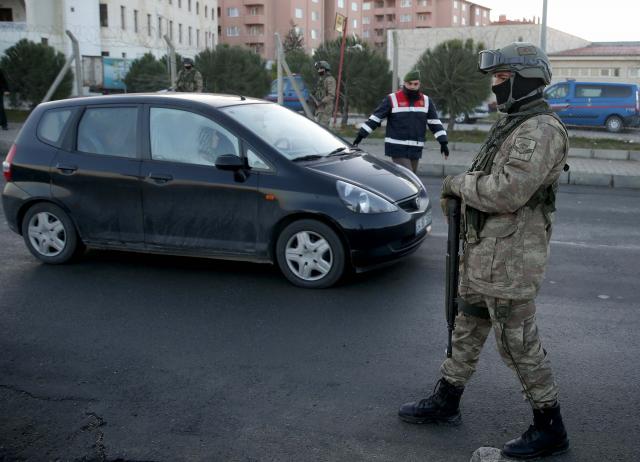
<point>412,75</point>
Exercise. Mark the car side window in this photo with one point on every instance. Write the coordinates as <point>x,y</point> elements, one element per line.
<point>109,131</point>
<point>183,136</point>
<point>52,125</point>
<point>617,91</point>
<point>588,91</point>
<point>255,162</point>
<point>558,91</point>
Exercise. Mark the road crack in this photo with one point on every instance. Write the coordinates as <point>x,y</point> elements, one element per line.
<point>47,398</point>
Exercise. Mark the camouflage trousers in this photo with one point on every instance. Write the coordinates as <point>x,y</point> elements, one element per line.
<point>516,334</point>
<point>323,116</point>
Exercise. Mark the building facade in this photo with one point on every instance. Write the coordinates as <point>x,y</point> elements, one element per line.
<point>121,30</point>
<point>252,23</point>
<point>617,62</point>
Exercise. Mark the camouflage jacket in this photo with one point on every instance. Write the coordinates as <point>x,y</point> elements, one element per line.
<point>509,259</point>
<point>325,93</point>
<point>189,81</point>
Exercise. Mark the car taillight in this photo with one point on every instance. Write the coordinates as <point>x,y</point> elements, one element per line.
<point>6,165</point>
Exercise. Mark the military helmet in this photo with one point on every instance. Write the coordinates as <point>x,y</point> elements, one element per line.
<point>187,61</point>
<point>322,65</point>
<point>523,58</point>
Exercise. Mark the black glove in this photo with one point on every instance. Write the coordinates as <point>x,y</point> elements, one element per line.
<point>444,149</point>
<point>357,140</point>
<point>446,193</point>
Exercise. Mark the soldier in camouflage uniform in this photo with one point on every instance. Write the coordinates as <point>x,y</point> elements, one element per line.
<point>325,93</point>
<point>189,79</point>
<point>508,200</point>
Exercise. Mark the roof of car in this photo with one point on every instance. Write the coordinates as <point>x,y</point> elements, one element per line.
<point>210,99</point>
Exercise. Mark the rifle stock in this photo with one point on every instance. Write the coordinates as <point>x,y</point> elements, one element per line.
<point>453,260</point>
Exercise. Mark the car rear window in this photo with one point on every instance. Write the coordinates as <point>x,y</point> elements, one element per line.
<point>52,125</point>
<point>109,131</point>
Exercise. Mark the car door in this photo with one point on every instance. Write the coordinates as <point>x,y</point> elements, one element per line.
<point>559,99</point>
<point>96,174</point>
<point>188,203</point>
<point>588,104</point>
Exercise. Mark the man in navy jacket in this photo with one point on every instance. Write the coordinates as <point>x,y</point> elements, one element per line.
<point>409,112</point>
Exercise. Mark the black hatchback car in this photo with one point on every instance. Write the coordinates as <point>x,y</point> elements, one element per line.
<point>210,176</point>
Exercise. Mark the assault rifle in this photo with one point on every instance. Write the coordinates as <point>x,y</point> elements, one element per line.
<point>453,259</point>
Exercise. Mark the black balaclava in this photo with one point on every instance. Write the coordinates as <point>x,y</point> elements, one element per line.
<point>517,91</point>
<point>412,94</point>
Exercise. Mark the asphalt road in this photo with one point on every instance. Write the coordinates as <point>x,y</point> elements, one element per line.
<point>147,358</point>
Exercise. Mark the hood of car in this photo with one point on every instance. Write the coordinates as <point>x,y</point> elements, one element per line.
<point>369,172</point>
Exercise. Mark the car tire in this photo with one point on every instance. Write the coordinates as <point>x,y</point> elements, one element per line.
<point>614,124</point>
<point>50,235</point>
<point>461,118</point>
<point>310,254</point>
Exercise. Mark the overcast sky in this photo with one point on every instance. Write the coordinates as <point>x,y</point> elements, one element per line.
<point>597,21</point>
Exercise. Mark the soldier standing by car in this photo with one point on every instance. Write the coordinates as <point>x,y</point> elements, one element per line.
<point>324,95</point>
<point>508,200</point>
<point>409,113</point>
<point>189,79</point>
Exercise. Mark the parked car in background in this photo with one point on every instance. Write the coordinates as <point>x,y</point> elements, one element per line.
<point>210,176</point>
<point>290,98</point>
<point>470,117</point>
<point>610,105</point>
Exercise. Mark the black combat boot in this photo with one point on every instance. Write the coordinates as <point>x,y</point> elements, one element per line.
<point>443,406</point>
<point>547,436</point>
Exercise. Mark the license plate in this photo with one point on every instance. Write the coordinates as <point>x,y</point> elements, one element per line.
<point>421,224</point>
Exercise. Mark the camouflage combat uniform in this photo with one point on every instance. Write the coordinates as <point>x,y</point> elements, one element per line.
<point>507,217</point>
<point>189,81</point>
<point>325,96</point>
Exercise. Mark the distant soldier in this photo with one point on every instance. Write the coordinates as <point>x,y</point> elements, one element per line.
<point>325,93</point>
<point>189,79</point>
<point>508,204</point>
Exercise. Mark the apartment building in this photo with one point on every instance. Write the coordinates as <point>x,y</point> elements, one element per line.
<point>252,23</point>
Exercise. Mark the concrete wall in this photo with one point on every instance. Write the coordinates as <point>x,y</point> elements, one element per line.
<point>412,43</point>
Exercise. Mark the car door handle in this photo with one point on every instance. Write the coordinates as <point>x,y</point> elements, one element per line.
<point>67,169</point>
<point>160,178</point>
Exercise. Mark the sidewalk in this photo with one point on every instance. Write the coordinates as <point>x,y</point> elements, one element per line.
<point>612,168</point>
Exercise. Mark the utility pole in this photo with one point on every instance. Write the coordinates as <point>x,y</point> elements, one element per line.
<point>543,28</point>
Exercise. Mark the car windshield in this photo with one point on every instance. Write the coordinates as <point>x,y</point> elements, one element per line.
<point>293,135</point>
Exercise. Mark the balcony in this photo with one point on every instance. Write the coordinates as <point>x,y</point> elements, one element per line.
<point>253,3</point>
<point>254,19</point>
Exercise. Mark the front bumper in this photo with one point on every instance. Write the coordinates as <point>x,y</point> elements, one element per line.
<point>393,238</point>
<point>632,121</point>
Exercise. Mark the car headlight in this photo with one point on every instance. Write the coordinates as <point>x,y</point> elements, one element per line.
<point>360,200</point>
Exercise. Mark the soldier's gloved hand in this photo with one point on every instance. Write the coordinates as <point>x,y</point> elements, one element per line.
<point>356,142</point>
<point>444,149</point>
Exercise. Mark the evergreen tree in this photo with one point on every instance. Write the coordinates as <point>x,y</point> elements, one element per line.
<point>450,76</point>
<point>294,40</point>
<point>146,74</point>
<point>31,68</point>
<point>233,70</point>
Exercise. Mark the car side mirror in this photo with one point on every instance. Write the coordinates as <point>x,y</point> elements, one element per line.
<point>230,162</point>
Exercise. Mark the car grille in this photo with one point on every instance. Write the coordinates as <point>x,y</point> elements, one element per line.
<point>411,204</point>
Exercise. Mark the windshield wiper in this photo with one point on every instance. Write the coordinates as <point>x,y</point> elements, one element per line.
<point>307,157</point>
<point>337,151</point>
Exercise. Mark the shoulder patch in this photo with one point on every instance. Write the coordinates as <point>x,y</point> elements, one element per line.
<point>523,148</point>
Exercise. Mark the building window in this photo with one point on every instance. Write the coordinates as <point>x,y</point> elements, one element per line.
<point>405,3</point>
<point>477,12</point>
<point>206,11</point>
<point>365,34</point>
<point>455,4</point>
<point>298,13</point>
<point>405,18</point>
<point>484,14</point>
<point>634,72</point>
<point>188,5</point>
<point>189,35</point>
<point>340,3</point>
<point>149,25</point>
<point>464,21</point>
<point>104,16</point>
<point>366,6</point>
<point>464,7</point>
<point>455,19</point>
<point>355,23</point>
<point>170,30</point>
<point>179,33</point>
<point>233,12</point>
<point>233,31</point>
<point>179,3</point>
<point>314,34</point>
<point>315,16</point>
<point>159,26</point>
<point>135,21</point>
<point>477,23</point>
<point>354,6</point>
<point>366,20</point>
<point>123,17</point>
<point>197,7</point>
<point>197,38</point>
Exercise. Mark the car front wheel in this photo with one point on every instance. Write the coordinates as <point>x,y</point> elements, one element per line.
<point>310,254</point>
<point>614,124</point>
<point>50,234</point>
